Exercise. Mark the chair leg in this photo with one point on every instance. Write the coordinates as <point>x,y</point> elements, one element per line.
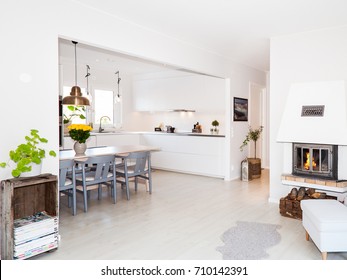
<point>150,185</point>
<point>114,190</point>
<point>150,181</point>
<point>85,198</point>
<point>99,191</point>
<point>324,256</point>
<point>74,207</point>
<point>135,183</point>
<point>127,186</point>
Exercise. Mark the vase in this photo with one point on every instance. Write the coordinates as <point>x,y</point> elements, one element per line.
<point>35,170</point>
<point>80,148</point>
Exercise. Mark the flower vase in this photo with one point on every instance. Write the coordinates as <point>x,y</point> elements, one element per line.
<point>80,148</point>
<point>35,170</point>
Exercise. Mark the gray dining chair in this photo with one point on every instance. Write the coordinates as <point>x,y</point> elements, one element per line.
<point>135,165</point>
<point>67,183</point>
<point>96,171</point>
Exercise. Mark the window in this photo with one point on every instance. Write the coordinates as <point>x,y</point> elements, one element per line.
<point>105,105</point>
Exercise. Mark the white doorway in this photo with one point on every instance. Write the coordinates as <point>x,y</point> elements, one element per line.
<point>257,115</point>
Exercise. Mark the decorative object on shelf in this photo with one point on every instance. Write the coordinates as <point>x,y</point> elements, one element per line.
<point>80,133</point>
<point>240,109</point>
<point>28,155</point>
<point>252,135</point>
<point>197,128</point>
<point>118,98</point>
<point>75,97</point>
<point>215,129</point>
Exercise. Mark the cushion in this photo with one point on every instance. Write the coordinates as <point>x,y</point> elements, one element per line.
<point>328,215</point>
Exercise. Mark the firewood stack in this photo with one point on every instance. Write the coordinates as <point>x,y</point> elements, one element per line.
<point>290,205</point>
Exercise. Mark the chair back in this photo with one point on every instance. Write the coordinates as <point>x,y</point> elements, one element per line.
<point>142,162</point>
<point>101,167</point>
<point>66,166</point>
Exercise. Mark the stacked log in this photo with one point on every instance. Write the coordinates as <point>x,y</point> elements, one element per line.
<point>290,204</point>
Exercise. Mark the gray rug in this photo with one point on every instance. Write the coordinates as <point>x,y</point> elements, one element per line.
<point>249,241</point>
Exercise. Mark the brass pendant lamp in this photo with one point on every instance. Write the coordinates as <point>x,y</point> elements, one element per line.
<point>75,97</point>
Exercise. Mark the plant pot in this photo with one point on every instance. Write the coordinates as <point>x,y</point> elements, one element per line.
<point>35,170</point>
<point>80,148</point>
<point>254,167</point>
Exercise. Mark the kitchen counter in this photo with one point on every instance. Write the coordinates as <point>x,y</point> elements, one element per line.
<point>201,154</point>
<point>156,133</point>
<point>184,134</point>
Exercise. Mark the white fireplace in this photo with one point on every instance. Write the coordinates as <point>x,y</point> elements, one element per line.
<point>315,117</point>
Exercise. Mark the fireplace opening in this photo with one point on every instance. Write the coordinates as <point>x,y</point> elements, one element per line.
<point>315,160</point>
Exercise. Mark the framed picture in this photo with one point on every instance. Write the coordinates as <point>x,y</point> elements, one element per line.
<point>240,109</point>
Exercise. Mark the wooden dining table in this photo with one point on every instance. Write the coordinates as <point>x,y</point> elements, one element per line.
<point>106,150</point>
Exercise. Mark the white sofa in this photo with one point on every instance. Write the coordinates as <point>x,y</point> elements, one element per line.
<point>325,221</point>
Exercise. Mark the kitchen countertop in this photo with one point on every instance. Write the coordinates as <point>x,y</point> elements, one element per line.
<point>184,134</point>
<point>154,132</point>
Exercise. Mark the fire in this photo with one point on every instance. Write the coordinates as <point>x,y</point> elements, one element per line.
<point>307,163</point>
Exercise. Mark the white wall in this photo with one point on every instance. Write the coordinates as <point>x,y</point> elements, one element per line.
<point>31,30</point>
<point>312,56</point>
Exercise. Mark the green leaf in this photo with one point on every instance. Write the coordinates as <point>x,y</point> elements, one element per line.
<point>15,173</point>
<point>52,153</point>
<point>3,164</point>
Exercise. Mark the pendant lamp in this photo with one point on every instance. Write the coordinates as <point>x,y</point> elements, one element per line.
<point>75,97</point>
<point>118,97</point>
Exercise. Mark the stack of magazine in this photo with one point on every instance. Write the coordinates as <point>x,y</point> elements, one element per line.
<point>35,234</point>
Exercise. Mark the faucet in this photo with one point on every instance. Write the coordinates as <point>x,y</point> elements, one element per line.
<point>101,129</point>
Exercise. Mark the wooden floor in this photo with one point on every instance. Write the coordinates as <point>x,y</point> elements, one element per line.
<point>183,219</point>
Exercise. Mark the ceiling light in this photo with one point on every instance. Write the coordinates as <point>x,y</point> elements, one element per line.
<point>118,97</point>
<point>75,97</point>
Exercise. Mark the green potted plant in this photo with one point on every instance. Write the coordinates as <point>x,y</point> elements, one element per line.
<point>252,135</point>
<point>215,125</point>
<point>80,133</point>
<point>27,154</point>
<point>254,164</point>
<point>71,113</point>
<point>74,112</point>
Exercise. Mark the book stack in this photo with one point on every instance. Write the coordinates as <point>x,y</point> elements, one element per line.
<point>35,234</point>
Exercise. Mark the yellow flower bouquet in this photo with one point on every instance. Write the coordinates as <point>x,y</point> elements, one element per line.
<point>79,132</point>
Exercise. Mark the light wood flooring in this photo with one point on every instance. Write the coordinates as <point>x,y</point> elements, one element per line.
<point>183,219</point>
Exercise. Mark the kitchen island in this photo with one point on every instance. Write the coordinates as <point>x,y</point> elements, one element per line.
<point>193,153</point>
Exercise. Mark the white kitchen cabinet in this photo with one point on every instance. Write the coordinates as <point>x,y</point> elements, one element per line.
<point>68,142</point>
<point>189,154</point>
<point>113,139</point>
<point>194,92</point>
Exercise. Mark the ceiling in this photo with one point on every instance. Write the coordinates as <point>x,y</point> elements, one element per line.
<point>238,30</point>
<point>106,60</point>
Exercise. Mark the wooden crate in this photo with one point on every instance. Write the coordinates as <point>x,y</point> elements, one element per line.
<point>21,197</point>
<point>254,166</point>
<point>291,207</point>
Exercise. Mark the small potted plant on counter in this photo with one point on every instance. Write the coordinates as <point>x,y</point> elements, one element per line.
<point>215,129</point>
<point>28,156</point>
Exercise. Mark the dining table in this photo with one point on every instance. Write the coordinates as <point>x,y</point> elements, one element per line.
<point>106,150</point>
